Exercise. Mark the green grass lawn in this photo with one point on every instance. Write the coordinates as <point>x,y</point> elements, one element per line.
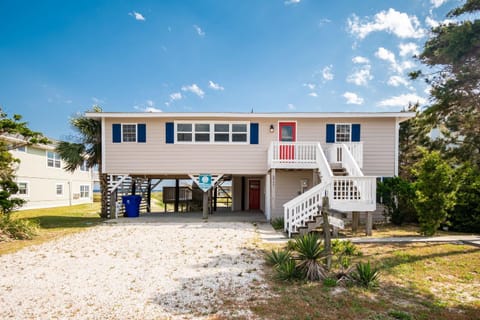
<point>418,281</point>
<point>54,223</point>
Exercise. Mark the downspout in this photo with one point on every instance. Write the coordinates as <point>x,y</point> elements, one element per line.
<point>397,137</point>
<point>69,193</point>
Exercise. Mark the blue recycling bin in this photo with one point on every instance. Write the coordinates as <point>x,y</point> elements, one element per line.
<point>132,205</point>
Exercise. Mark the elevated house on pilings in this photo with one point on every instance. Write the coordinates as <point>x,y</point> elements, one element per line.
<point>281,164</point>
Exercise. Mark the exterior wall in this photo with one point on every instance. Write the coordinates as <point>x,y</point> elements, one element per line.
<point>237,192</point>
<point>42,181</point>
<point>288,187</point>
<point>157,157</point>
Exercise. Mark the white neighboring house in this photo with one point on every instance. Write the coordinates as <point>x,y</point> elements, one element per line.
<point>43,182</point>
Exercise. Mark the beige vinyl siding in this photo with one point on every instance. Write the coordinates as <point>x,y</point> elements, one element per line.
<point>42,181</point>
<point>157,157</point>
<point>288,187</point>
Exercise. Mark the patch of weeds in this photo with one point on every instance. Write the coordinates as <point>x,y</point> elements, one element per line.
<point>400,315</point>
<point>329,282</point>
<point>19,229</point>
<point>276,257</point>
<point>278,223</point>
<point>365,275</point>
<point>287,271</point>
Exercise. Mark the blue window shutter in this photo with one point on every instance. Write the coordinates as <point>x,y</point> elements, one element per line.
<point>253,133</point>
<point>141,132</point>
<point>355,132</point>
<point>169,132</point>
<point>330,133</point>
<point>116,133</point>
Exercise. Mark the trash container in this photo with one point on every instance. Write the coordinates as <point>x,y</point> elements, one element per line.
<point>132,205</point>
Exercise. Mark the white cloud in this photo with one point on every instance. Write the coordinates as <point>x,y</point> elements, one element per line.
<point>437,3</point>
<point>408,49</point>
<point>194,89</point>
<point>215,86</point>
<point>152,109</point>
<point>361,76</point>
<point>310,86</point>
<point>352,98</point>
<point>137,15</point>
<point>199,30</point>
<point>402,100</point>
<point>289,2</point>
<point>396,81</point>
<point>432,23</point>
<point>400,24</point>
<point>175,96</point>
<point>149,107</point>
<point>313,94</point>
<point>327,73</point>
<point>359,59</point>
<point>291,107</point>
<point>389,56</point>
<point>323,22</point>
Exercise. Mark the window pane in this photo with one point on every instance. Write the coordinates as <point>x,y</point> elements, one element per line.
<point>59,189</point>
<point>184,127</point>
<point>57,163</point>
<point>221,137</point>
<point>184,137</point>
<point>287,133</point>
<point>239,137</point>
<point>342,133</point>
<point>221,127</point>
<point>239,128</point>
<point>202,137</point>
<point>22,188</point>
<point>50,162</point>
<point>129,132</point>
<point>202,127</point>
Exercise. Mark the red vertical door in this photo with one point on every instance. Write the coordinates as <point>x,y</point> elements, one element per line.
<point>287,132</point>
<point>254,194</point>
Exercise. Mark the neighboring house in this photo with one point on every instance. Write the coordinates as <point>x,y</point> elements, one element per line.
<point>43,182</point>
<point>279,163</point>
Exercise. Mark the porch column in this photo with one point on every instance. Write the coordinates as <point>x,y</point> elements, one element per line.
<point>267,197</point>
<point>205,205</point>
<point>243,194</point>
<point>355,221</point>
<point>274,189</point>
<point>149,196</point>
<point>369,224</point>
<point>177,194</point>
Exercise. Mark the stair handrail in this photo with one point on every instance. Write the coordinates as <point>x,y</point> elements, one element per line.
<point>323,165</point>
<point>349,162</point>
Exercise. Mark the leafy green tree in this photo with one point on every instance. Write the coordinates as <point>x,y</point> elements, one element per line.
<point>435,189</point>
<point>465,215</point>
<point>87,147</point>
<point>13,134</point>
<point>397,194</point>
<point>452,54</point>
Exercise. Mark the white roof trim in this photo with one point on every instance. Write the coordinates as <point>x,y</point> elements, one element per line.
<point>402,116</point>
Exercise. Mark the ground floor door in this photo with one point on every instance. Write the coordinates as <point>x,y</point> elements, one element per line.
<point>254,194</point>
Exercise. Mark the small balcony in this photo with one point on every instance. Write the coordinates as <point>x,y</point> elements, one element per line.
<point>305,155</point>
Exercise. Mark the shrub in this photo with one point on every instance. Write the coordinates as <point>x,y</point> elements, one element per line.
<point>276,257</point>
<point>345,247</point>
<point>329,282</point>
<point>396,196</point>
<point>287,270</point>
<point>365,275</point>
<point>435,189</point>
<point>19,229</point>
<point>310,250</point>
<point>278,223</point>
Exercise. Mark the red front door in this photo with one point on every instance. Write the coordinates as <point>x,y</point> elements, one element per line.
<point>287,133</point>
<point>254,194</point>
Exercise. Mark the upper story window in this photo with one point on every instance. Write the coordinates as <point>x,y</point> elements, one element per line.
<point>129,132</point>
<point>217,132</point>
<point>343,132</point>
<point>22,188</point>
<point>84,166</point>
<point>22,149</point>
<point>53,160</point>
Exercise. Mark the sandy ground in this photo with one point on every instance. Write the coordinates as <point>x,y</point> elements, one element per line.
<point>136,271</point>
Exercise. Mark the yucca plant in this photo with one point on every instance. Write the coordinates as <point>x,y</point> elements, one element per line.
<point>365,275</point>
<point>276,257</point>
<point>310,251</point>
<point>287,270</point>
<point>278,223</point>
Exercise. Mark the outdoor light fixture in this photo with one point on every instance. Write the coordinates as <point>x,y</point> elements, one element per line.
<point>272,128</point>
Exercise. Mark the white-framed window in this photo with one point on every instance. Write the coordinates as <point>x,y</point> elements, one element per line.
<point>343,132</point>
<point>211,132</point>
<point>53,160</point>
<point>129,132</point>
<point>84,191</point>
<point>59,189</point>
<point>84,166</point>
<point>23,188</point>
<point>21,149</point>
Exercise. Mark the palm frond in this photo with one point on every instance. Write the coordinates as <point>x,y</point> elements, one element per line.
<point>72,154</point>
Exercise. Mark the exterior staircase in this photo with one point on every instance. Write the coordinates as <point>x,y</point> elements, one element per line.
<point>342,181</point>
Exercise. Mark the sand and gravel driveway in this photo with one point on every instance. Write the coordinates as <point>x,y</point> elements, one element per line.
<point>136,271</point>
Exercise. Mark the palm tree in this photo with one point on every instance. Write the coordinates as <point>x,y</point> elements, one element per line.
<point>88,149</point>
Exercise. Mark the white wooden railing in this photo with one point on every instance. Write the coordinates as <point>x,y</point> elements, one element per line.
<point>292,154</point>
<point>354,192</point>
<point>334,152</point>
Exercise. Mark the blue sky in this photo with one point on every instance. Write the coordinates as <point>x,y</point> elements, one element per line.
<point>58,58</point>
